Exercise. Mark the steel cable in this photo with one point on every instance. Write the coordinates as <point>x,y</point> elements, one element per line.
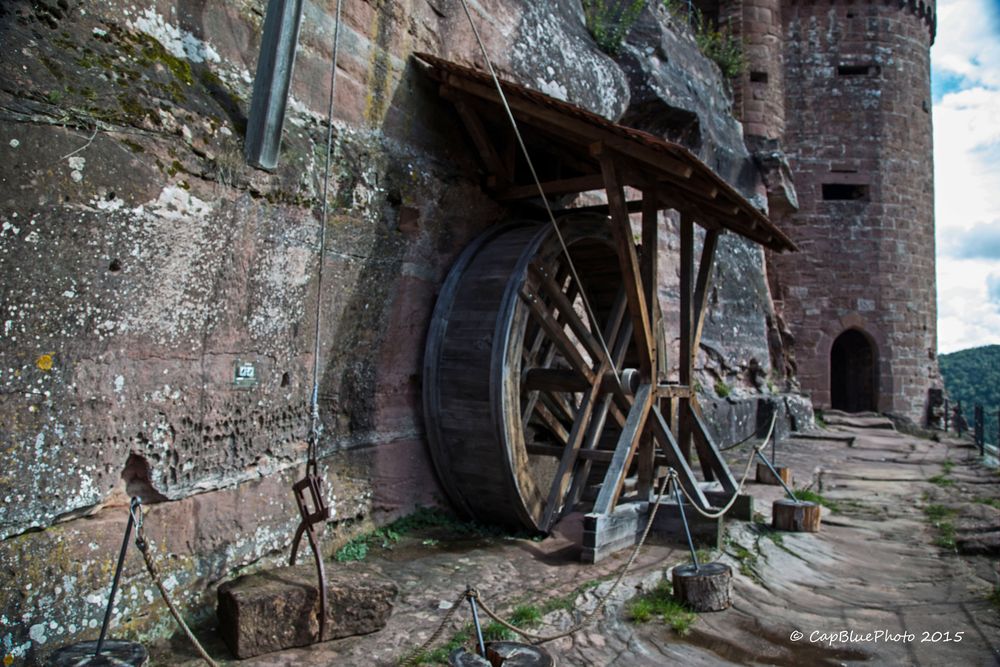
<point>314,431</point>
<point>596,329</point>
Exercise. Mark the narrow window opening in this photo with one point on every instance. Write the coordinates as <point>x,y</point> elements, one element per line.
<point>858,70</point>
<point>758,77</point>
<point>845,192</point>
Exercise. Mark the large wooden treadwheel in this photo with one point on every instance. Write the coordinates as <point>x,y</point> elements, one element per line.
<point>515,375</point>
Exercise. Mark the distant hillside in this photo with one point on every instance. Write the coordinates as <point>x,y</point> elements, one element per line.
<point>973,377</point>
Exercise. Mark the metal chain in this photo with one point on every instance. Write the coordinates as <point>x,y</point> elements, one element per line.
<point>146,548</point>
<point>743,481</point>
<point>542,639</point>
<point>414,656</point>
<point>596,330</point>
<point>315,428</point>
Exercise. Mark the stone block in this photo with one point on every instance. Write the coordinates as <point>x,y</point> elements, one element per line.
<point>279,609</point>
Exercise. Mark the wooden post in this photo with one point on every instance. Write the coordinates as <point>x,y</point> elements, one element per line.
<point>795,516</point>
<point>765,476</point>
<point>706,271</point>
<point>621,229</point>
<point>686,367</point>
<point>650,246</point>
<point>706,588</point>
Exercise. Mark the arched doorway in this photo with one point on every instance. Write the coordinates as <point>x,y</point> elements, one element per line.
<point>852,372</point>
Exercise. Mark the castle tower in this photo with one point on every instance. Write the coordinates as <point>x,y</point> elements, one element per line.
<point>859,298</point>
<point>759,92</point>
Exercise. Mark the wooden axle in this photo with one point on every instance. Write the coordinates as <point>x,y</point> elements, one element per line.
<point>566,380</point>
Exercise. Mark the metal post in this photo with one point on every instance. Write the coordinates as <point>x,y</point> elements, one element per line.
<point>978,428</point>
<point>270,86</point>
<point>684,521</point>
<point>118,573</point>
<point>475,621</point>
<point>947,414</point>
<point>776,476</point>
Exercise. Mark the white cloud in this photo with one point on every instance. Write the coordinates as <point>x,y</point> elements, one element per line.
<point>966,315</point>
<point>966,43</point>
<point>967,171</point>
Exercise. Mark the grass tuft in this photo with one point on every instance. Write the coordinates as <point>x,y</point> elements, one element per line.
<point>660,603</point>
<point>941,517</point>
<point>422,518</point>
<point>610,20</point>
<point>941,480</point>
<point>813,497</point>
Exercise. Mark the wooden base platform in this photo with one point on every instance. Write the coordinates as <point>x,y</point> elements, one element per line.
<point>606,534</point>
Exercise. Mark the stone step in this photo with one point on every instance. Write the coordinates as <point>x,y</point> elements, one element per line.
<point>279,609</point>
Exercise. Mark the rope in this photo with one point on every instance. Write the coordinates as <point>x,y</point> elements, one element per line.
<point>154,574</point>
<point>315,428</point>
<point>596,330</point>
<point>743,481</point>
<point>542,639</point>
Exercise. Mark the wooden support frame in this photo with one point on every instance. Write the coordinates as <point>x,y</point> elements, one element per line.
<point>686,353</point>
<point>621,228</point>
<point>706,273</point>
<point>624,450</point>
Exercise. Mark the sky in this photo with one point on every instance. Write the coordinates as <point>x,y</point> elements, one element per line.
<point>965,81</point>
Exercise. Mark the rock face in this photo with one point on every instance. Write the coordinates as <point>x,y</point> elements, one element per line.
<point>279,609</point>
<point>159,296</point>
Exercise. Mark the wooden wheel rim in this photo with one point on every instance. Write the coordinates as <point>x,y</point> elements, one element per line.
<point>496,483</point>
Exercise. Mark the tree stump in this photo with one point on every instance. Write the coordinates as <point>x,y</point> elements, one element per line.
<point>508,654</point>
<point>765,476</point>
<point>706,588</point>
<point>115,652</point>
<point>795,516</point>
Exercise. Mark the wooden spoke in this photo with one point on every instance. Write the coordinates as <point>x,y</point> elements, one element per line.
<point>566,310</point>
<point>558,405</point>
<point>558,489</point>
<point>553,425</point>
<point>558,335</point>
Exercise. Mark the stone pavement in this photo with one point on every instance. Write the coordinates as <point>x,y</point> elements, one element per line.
<point>875,567</point>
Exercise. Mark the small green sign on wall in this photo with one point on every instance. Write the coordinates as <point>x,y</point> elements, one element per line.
<point>244,374</point>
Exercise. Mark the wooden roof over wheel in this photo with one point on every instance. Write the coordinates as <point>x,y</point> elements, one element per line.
<point>576,139</point>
